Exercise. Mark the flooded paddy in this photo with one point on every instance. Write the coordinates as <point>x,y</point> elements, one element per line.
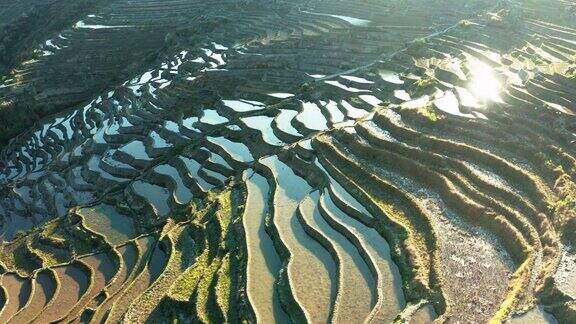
<point>155,195</point>
<point>238,151</point>
<point>311,270</point>
<point>43,291</point>
<point>390,299</point>
<point>264,263</point>
<point>312,117</point>
<point>242,105</point>
<point>106,221</point>
<point>284,122</point>
<point>357,294</point>
<point>182,194</point>
<point>264,125</point>
<point>17,291</point>
<point>73,281</point>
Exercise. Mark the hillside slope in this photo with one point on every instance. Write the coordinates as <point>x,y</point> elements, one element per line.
<point>304,161</point>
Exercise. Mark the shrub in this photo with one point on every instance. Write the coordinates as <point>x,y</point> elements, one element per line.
<point>307,87</point>
<point>430,113</point>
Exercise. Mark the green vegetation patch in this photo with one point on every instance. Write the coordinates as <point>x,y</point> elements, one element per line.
<point>430,113</point>
<point>209,288</point>
<point>17,257</point>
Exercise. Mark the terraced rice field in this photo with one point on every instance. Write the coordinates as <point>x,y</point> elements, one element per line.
<point>291,161</point>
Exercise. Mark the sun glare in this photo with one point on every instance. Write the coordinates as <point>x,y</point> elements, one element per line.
<point>483,83</point>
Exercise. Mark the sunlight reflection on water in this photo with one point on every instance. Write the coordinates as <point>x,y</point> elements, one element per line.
<point>483,82</point>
